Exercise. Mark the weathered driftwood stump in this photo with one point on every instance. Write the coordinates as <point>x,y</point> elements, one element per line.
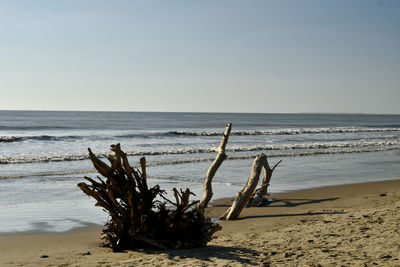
<point>248,192</point>
<point>137,217</point>
<point>258,199</point>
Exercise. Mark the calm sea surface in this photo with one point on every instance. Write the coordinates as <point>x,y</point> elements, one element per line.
<point>43,155</point>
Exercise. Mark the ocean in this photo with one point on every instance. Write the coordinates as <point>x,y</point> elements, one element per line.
<point>43,155</point>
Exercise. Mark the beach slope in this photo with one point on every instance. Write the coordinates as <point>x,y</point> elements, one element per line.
<point>351,225</point>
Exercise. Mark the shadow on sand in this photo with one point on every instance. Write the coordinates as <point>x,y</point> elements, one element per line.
<point>207,254</point>
<point>291,215</point>
<point>274,203</point>
<point>293,202</point>
<point>241,255</point>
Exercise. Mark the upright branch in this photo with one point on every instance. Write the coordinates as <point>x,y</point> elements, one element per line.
<point>207,187</point>
<point>243,197</point>
<point>257,199</point>
<point>249,196</point>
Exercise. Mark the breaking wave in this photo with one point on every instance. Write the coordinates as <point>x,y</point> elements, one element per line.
<point>294,131</point>
<point>10,139</point>
<point>292,149</point>
<point>209,159</point>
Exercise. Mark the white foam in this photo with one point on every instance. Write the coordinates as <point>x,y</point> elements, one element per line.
<point>383,145</point>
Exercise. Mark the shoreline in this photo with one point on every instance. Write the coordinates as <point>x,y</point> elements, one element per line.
<point>312,225</point>
<point>213,207</point>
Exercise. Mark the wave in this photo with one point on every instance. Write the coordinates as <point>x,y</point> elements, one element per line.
<point>11,139</point>
<point>293,131</point>
<point>385,126</point>
<point>318,145</point>
<point>210,159</point>
<point>330,147</point>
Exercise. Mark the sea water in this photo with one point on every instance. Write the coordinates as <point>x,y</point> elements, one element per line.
<point>43,155</point>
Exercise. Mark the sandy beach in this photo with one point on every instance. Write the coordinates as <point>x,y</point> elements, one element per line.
<point>350,225</point>
<point>111,110</point>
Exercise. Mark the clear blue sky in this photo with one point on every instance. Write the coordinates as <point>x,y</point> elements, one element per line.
<point>213,56</point>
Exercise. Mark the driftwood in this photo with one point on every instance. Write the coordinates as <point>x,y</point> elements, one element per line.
<point>139,216</point>
<point>248,192</point>
<point>244,196</point>
<point>207,187</point>
<point>258,199</point>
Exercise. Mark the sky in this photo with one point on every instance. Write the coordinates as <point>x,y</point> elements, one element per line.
<point>264,56</point>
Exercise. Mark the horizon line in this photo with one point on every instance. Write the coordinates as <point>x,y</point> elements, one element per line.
<point>217,112</point>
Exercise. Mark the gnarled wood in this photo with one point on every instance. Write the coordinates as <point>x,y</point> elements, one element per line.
<point>257,198</point>
<point>137,217</point>
<point>207,187</point>
<point>243,197</point>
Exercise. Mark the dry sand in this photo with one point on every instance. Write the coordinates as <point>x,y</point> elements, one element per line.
<point>352,225</point>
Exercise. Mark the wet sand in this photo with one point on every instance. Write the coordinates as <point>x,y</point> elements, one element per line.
<point>350,225</point>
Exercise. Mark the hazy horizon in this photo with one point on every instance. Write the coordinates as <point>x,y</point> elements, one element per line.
<point>213,112</point>
<point>201,56</point>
